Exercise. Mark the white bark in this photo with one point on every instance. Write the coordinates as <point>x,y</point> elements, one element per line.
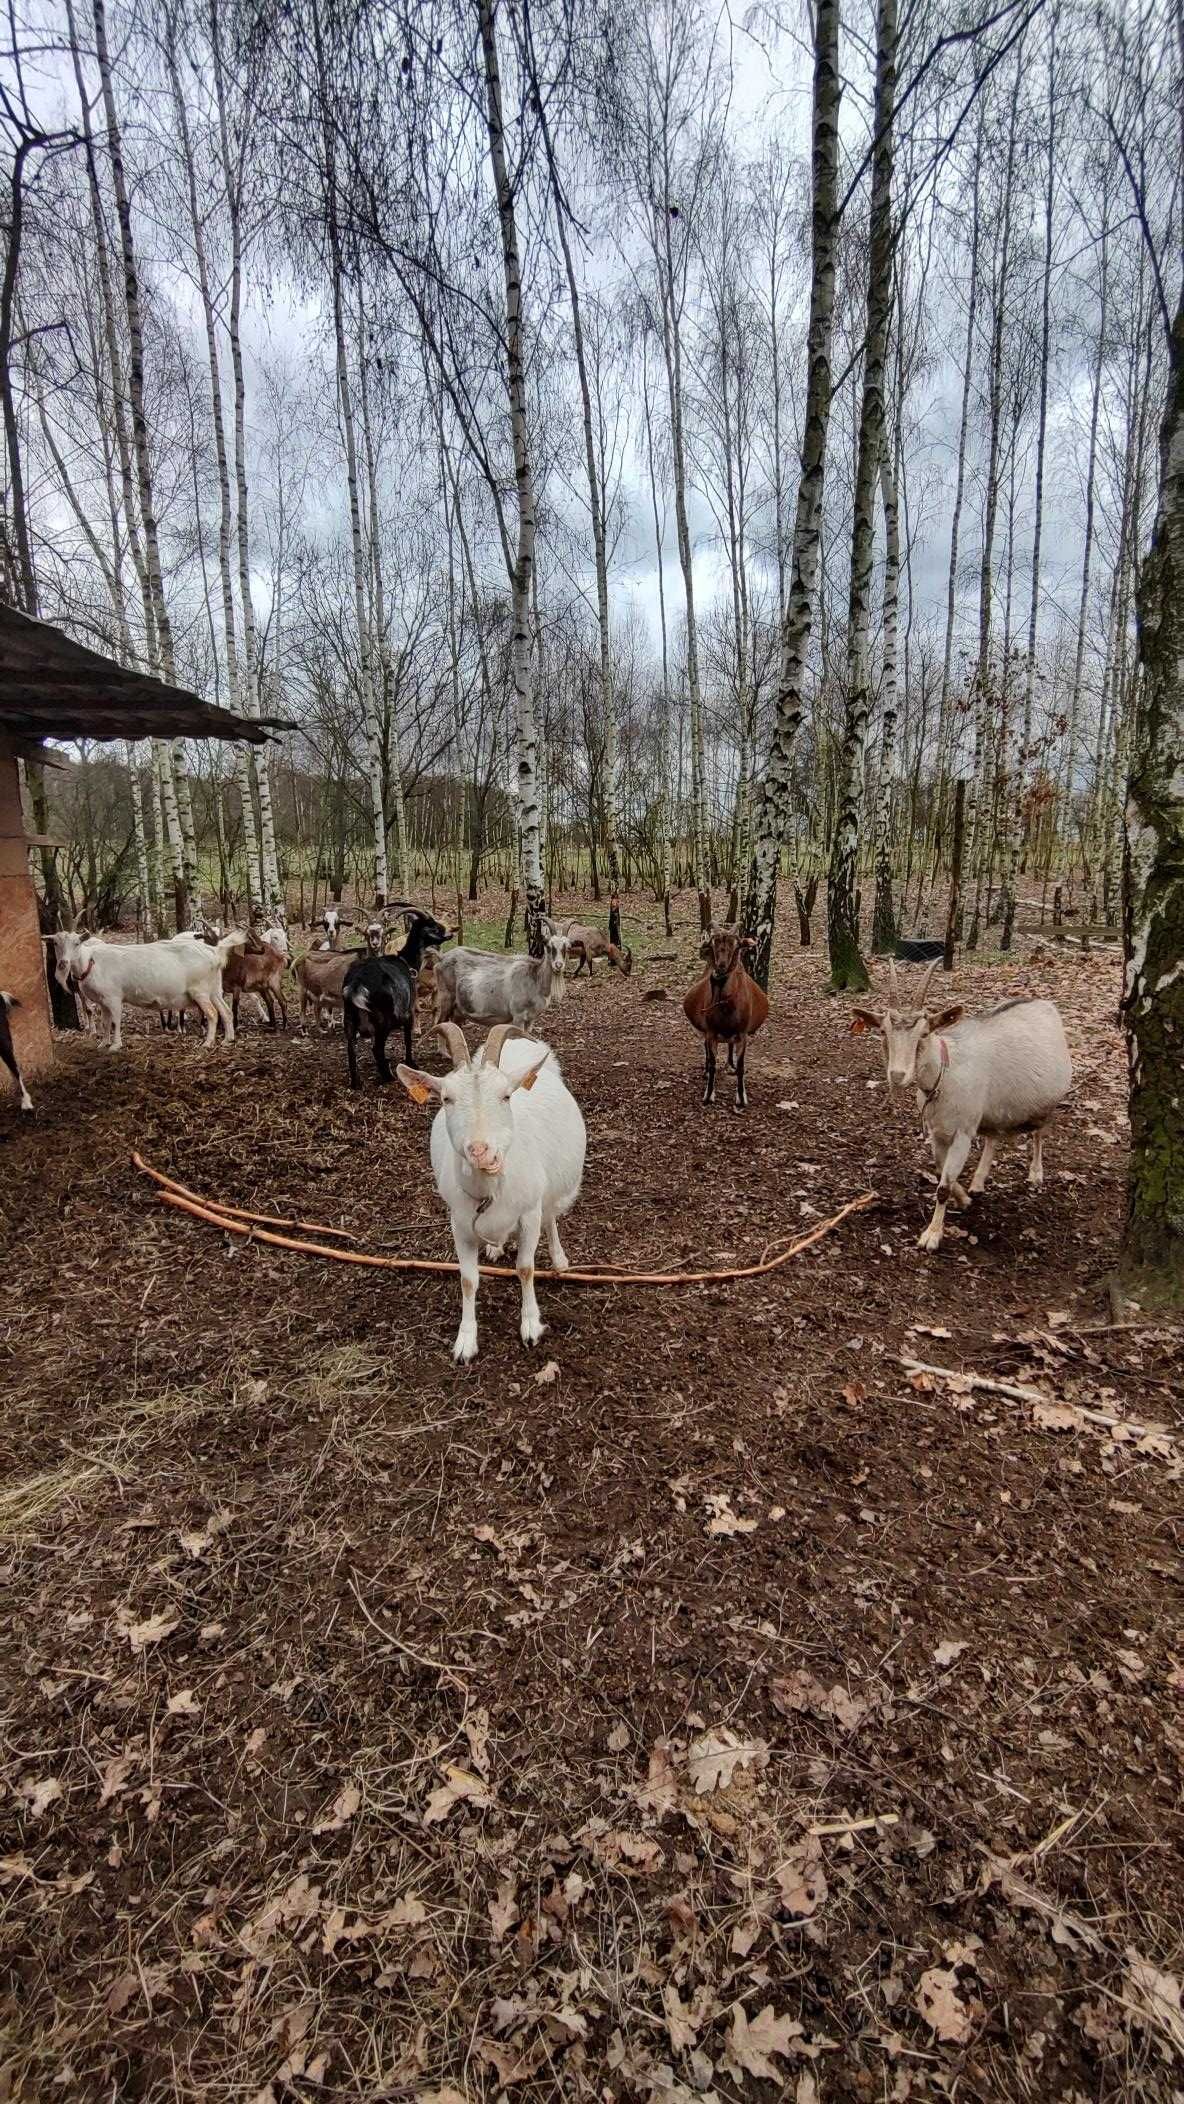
<point>521,653</point>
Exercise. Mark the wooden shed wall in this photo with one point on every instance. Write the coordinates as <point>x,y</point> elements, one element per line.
<point>22,967</point>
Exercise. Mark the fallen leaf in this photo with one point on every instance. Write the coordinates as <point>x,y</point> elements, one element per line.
<point>1156,1996</point>
<point>937,2001</point>
<point>547,1374</point>
<point>476,1730</point>
<point>40,1795</point>
<point>723,1520</point>
<point>141,1634</point>
<point>714,1757</point>
<point>460,1788</point>
<point>681,2024</point>
<point>946,1653</point>
<point>752,2045</point>
<point>508,2062</point>
<point>1057,1417</point>
<point>801,1881</point>
<point>618,1738</point>
<point>503,1911</point>
<point>183,1704</point>
<point>344,1807</point>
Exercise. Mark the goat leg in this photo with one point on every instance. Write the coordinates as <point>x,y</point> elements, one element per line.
<point>351,1052</point>
<point>380,1059</point>
<point>951,1168</point>
<point>741,1103</point>
<point>468,1259</point>
<point>8,1055</point>
<point>529,1229</point>
<point>709,1088</point>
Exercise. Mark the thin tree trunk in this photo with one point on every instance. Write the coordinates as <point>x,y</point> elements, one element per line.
<point>1016,808</point>
<point>177,801</point>
<point>774,809</point>
<point>242,760</point>
<point>981,833</point>
<point>1153,998</point>
<point>884,915</point>
<point>943,720</point>
<point>381,648</point>
<point>848,970</point>
<point>521,654</point>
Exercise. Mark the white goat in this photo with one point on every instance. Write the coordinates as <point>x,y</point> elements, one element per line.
<point>993,1074</point>
<point>163,975</point>
<point>475,986</point>
<point>508,1158</point>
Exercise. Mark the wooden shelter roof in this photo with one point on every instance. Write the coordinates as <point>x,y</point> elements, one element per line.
<point>53,687</point>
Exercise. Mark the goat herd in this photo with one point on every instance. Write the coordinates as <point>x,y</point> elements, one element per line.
<point>508,1148</point>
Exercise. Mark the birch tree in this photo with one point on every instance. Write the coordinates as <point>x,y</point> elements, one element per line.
<point>848,970</point>
<point>774,799</point>
<point>521,648</point>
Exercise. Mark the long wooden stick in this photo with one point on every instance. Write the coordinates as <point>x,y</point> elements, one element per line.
<point>307,1227</point>
<point>213,1216</point>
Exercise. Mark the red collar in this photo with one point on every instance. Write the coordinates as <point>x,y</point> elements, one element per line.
<point>85,974</point>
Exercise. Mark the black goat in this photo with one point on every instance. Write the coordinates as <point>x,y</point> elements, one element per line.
<point>378,995</point>
<point>7,1049</point>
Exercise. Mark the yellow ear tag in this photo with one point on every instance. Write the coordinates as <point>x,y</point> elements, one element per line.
<point>529,1080</point>
<point>857,1024</point>
<point>417,1091</point>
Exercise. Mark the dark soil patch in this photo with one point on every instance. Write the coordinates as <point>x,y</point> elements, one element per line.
<point>317,1648</point>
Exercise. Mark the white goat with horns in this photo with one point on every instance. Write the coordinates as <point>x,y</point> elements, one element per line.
<point>993,1074</point>
<point>508,1159</point>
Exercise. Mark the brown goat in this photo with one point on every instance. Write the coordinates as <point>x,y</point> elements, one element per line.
<point>586,943</point>
<point>726,1007</point>
<point>256,971</point>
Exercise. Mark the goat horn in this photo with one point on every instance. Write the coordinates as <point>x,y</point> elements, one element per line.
<point>454,1038</point>
<point>925,981</point>
<point>495,1041</point>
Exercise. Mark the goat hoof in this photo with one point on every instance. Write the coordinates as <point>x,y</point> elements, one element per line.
<point>464,1350</point>
<point>531,1333</point>
<point>929,1241</point>
<point>740,1109</point>
<point>1036,1182</point>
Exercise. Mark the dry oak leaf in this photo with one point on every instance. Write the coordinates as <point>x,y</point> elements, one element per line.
<point>344,1807</point>
<point>633,1854</point>
<point>503,1911</point>
<point>713,1758</point>
<point>659,1792</point>
<point>1057,1417</point>
<point>476,1730</point>
<point>547,1374</point>
<point>723,1520</point>
<point>40,1795</point>
<point>462,1787</point>
<point>946,1653</point>
<point>681,2021</point>
<point>510,2063</point>
<point>182,1704</point>
<point>1156,1996</point>
<point>802,1881</point>
<point>752,2045</point>
<point>141,1634</point>
<point>937,2001</point>
<point>799,1692</point>
<point>448,2094</point>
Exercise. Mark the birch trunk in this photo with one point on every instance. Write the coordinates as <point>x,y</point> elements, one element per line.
<point>672,349</point>
<point>178,805</point>
<point>1153,998</point>
<point>663,816</point>
<point>252,762</point>
<point>242,761</point>
<point>521,653</point>
<point>884,915</point>
<point>1016,803</point>
<point>382,649</point>
<point>774,806</point>
<point>944,740</point>
<point>848,971</point>
<point>982,832</point>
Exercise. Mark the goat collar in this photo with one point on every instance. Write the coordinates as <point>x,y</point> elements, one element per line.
<point>85,972</point>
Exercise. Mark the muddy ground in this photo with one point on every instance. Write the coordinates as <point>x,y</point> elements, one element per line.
<point>709,1705</point>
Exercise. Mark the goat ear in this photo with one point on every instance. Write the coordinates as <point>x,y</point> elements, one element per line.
<point>865,1019</point>
<point>948,1017</point>
<point>527,1080</point>
<point>705,950</point>
<point>419,1086</point>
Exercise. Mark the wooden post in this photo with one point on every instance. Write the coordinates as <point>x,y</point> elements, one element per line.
<point>955,907</point>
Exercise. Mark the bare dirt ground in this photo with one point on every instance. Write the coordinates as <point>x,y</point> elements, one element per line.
<point>704,1707</point>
